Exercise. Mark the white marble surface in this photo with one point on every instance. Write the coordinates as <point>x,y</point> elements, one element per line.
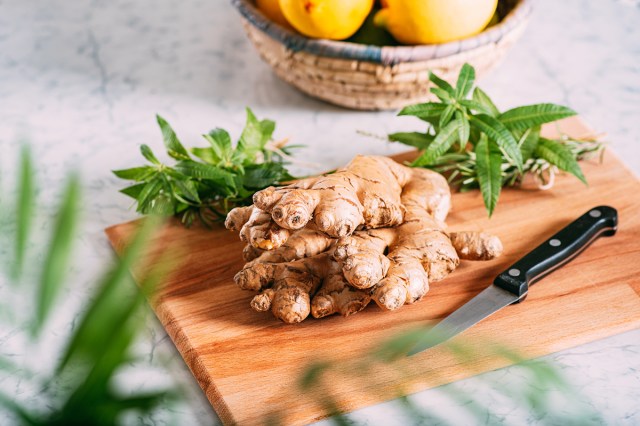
<point>82,81</point>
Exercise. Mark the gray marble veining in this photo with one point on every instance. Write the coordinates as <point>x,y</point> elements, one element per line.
<point>82,81</point>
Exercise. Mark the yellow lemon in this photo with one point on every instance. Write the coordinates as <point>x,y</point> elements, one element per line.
<point>271,9</point>
<point>434,21</point>
<point>332,19</point>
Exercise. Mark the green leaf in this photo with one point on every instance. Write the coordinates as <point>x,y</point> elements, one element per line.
<point>18,410</point>
<point>483,99</point>
<point>463,129</point>
<point>311,376</point>
<point>446,116</point>
<point>254,137</point>
<point>163,205</point>
<point>148,154</point>
<point>441,84</point>
<point>416,139</point>
<point>525,117</point>
<point>56,262</point>
<point>259,176</point>
<point>208,155</point>
<point>205,171</point>
<point>528,142</point>
<point>220,142</point>
<point>496,131</point>
<point>559,155</point>
<point>221,138</point>
<point>148,195</point>
<point>141,402</point>
<point>442,142</point>
<point>25,209</point>
<point>113,304</point>
<point>188,189</point>
<point>171,142</point>
<point>475,106</point>
<point>268,127</point>
<point>488,163</point>
<point>443,95</point>
<point>134,191</point>
<point>425,110</point>
<point>139,174</point>
<point>466,78</point>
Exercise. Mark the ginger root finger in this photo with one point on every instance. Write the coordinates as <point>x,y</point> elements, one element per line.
<point>419,249</point>
<point>256,227</point>
<point>250,253</point>
<point>337,296</point>
<point>416,259</point>
<point>237,217</point>
<point>476,245</point>
<point>365,192</point>
<point>292,290</point>
<point>304,243</point>
<point>407,282</point>
<point>286,287</point>
<point>362,256</point>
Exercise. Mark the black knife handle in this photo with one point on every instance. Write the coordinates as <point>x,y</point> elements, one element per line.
<point>558,250</point>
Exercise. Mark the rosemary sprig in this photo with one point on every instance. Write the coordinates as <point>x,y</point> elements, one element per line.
<point>461,168</point>
<point>478,146</point>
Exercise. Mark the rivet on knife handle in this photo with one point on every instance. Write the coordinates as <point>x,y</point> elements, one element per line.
<point>558,250</point>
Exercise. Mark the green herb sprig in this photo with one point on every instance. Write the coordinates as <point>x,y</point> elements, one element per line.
<point>82,386</point>
<point>482,147</point>
<point>207,182</point>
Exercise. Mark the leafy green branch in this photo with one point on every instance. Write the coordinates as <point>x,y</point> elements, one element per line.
<point>386,372</point>
<point>80,389</point>
<point>207,182</point>
<point>480,147</point>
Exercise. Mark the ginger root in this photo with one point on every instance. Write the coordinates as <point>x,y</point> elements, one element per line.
<point>372,231</point>
<point>364,193</point>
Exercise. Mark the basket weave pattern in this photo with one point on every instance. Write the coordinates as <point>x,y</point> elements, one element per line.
<point>367,85</point>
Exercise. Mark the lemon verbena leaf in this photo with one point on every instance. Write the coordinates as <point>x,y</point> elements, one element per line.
<point>481,98</point>
<point>445,118</point>
<point>416,139</point>
<point>466,78</point>
<point>425,110</point>
<point>525,117</point>
<point>442,84</point>
<point>559,155</point>
<point>488,163</point>
<point>528,142</point>
<point>463,129</point>
<point>446,137</point>
<point>498,133</point>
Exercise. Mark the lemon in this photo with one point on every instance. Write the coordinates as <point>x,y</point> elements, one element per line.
<point>434,21</point>
<point>271,9</point>
<point>332,19</point>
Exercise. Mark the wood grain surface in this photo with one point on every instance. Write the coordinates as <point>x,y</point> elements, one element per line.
<point>249,364</point>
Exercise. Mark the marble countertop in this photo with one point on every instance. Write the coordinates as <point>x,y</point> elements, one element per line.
<point>81,81</point>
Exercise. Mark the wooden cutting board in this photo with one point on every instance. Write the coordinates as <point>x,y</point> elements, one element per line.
<point>248,364</point>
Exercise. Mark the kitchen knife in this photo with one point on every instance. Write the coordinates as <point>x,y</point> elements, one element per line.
<point>512,285</point>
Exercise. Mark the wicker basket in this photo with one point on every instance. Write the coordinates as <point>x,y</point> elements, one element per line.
<point>376,78</point>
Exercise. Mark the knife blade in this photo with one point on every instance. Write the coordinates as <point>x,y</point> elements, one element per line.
<point>512,285</point>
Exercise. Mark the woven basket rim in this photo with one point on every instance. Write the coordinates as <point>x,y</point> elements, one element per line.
<point>386,55</point>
